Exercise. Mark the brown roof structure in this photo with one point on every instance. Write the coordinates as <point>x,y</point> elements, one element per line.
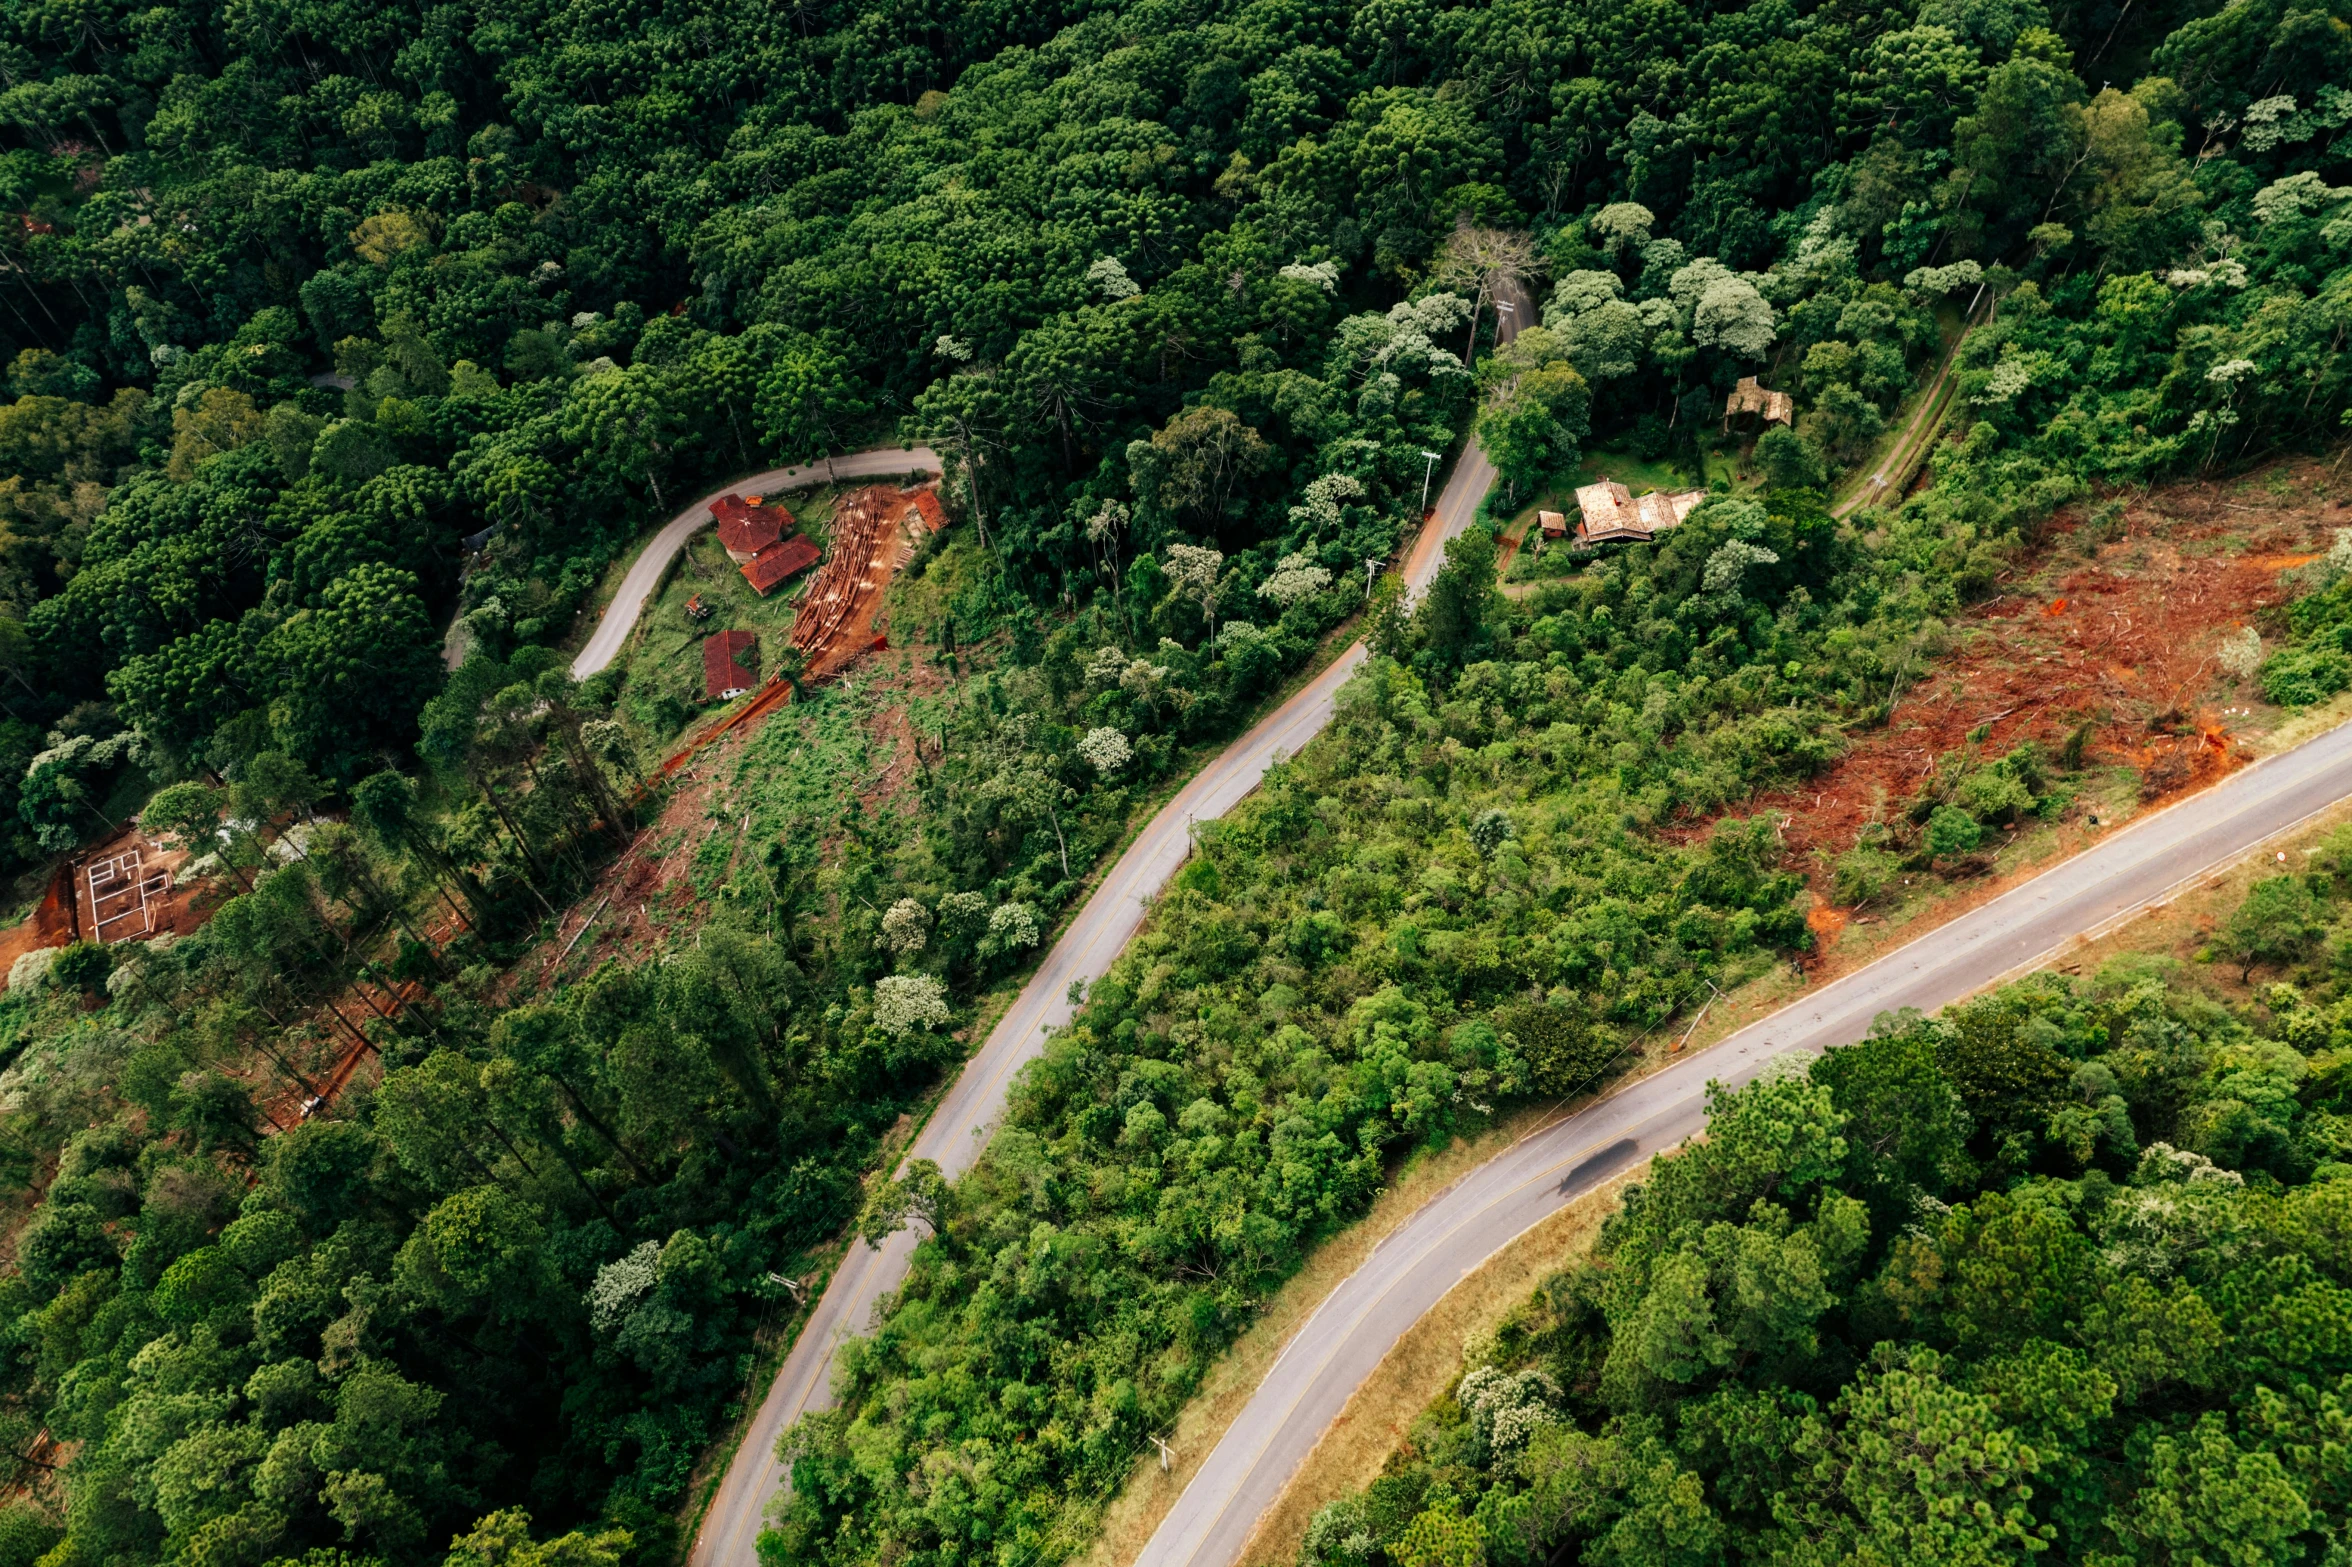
<point>928,508</point>
<point>748,526</point>
<point>1611,512</point>
<point>779,563</point>
<point>1553,523</point>
<point>730,664</point>
<point>1750,397</point>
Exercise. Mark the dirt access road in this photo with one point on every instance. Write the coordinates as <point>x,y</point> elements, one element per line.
<point>956,1131</point>
<point>1359,1323</point>
<point>1884,483</point>
<point>645,572</point>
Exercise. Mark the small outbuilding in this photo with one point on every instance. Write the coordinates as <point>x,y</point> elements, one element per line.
<point>730,664</point>
<point>1611,513</point>
<point>1553,523</point>
<point>1751,397</point>
<point>928,508</point>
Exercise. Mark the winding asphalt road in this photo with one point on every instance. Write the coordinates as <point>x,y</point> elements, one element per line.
<point>1456,1231</point>
<point>645,572</point>
<point>955,1134</point>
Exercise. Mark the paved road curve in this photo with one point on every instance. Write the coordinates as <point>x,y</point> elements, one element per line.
<point>1409,1272</point>
<point>953,1136</point>
<point>620,616</point>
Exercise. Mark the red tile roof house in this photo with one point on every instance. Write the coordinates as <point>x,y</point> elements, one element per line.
<point>748,526</point>
<point>730,662</point>
<point>928,508</point>
<point>779,563</point>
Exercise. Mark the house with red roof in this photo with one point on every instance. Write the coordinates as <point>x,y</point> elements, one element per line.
<point>748,526</point>
<point>928,508</point>
<point>778,563</point>
<point>730,664</point>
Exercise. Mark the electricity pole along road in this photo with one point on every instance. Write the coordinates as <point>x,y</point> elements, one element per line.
<point>953,1137</point>
<point>1410,1271</point>
<point>645,572</point>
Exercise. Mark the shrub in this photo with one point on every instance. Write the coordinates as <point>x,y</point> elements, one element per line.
<point>1952,831</point>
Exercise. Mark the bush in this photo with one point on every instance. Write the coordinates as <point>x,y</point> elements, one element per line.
<point>84,967</point>
<point>2298,677</point>
<point>1952,831</point>
<point>1861,874</point>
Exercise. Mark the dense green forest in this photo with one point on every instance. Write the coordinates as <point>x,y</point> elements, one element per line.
<point>1458,895</point>
<point>301,298</point>
<point>2062,1273</point>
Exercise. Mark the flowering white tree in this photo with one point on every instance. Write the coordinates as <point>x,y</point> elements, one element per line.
<point>1015,925</point>
<point>1105,749</point>
<point>906,928</point>
<point>1199,575</point>
<point>907,1003</point>
<point>621,1285</point>
<point>1294,579</point>
<point>1109,274</point>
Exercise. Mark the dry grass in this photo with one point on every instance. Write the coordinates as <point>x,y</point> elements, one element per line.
<point>1131,1516</point>
<point>1423,1365</point>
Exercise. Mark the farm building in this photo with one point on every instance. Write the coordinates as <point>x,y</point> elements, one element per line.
<point>928,508</point>
<point>730,664</point>
<point>1749,397</point>
<point>778,563</point>
<point>1553,523</point>
<point>1611,512</point>
<point>748,526</point>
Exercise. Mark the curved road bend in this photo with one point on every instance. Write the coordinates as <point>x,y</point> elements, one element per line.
<point>954,1134</point>
<point>645,572</point>
<point>1356,1326</point>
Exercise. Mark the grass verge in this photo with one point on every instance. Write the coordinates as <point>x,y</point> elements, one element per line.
<point>1422,1365</point>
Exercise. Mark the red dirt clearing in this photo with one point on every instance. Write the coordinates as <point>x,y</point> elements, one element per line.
<point>2124,641</point>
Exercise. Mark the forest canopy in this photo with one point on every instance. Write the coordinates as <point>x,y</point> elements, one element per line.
<point>339,335</point>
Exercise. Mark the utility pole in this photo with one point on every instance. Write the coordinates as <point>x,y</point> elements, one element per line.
<point>1371,571</point>
<point>1427,474</point>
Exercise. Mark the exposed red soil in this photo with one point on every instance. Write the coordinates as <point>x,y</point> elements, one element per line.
<point>118,890</point>
<point>2124,642</point>
<point>841,621</point>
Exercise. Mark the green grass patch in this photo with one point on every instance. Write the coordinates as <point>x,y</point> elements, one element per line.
<point>661,691</point>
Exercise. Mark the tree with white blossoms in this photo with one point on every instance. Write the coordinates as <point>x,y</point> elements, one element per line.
<point>1109,275</point>
<point>1323,274</point>
<point>1294,578</point>
<point>621,1285</point>
<point>908,1003</point>
<point>1942,280</point>
<point>1622,223</point>
<point>1732,558</point>
<point>1506,1409</point>
<point>1199,575</point>
<point>2240,653</point>
<point>1015,925</point>
<point>906,928</point>
<point>1104,666</point>
<point>1104,530</point>
<point>2337,563</point>
<point>1319,509</point>
<point>1105,749</point>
